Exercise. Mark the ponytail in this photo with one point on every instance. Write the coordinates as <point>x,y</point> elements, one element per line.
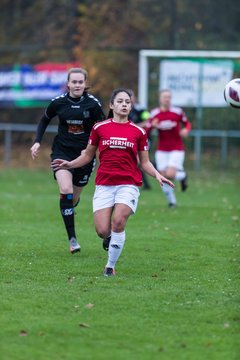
<point>110,114</point>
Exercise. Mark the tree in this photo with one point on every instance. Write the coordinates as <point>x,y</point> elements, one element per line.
<point>106,36</point>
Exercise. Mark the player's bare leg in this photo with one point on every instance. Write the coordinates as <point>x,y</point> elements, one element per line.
<point>120,216</point>
<point>102,221</point>
<point>77,190</point>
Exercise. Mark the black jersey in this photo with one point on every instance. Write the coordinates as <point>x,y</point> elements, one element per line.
<point>76,119</point>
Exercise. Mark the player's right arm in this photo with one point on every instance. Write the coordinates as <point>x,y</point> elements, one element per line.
<point>43,124</point>
<point>85,158</point>
<point>151,122</point>
<point>148,167</point>
<point>184,131</point>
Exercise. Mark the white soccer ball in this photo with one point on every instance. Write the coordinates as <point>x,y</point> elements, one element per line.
<point>232,93</point>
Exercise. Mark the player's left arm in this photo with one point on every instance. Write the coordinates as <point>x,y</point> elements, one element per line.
<point>148,167</point>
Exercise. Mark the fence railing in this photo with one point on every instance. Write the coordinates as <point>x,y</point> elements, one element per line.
<point>224,135</point>
<point>9,128</point>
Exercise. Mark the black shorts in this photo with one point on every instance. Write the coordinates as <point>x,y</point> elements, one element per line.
<point>80,175</point>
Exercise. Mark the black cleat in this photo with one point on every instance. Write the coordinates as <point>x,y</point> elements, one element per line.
<point>109,271</point>
<point>146,187</point>
<point>184,184</point>
<point>76,203</point>
<point>172,205</point>
<point>106,242</point>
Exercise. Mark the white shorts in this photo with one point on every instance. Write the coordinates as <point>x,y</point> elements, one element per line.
<point>165,159</point>
<point>108,196</point>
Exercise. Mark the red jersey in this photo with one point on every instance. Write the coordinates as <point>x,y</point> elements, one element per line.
<point>118,145</point>
<point>169,126</point>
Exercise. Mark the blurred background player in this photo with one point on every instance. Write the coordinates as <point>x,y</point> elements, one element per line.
<point>77,111</point>
<point>139,115</point>
<point>172,126</point>
<point>121,144</point>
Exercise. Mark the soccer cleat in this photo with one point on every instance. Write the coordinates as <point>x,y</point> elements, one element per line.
<point>172,205</point>
<point>146,187</point>
<point>106,242</point>
<point>184,184</point>
<point>74,245</point>
<point>109,271</point>
<point>76,204</point>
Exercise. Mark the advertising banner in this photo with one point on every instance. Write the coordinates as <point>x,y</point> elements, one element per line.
<point>32,86</point>
<point>196,83</point>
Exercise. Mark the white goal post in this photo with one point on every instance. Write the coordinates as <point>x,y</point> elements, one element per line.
<point>143,88</point>
<point>144,56</point>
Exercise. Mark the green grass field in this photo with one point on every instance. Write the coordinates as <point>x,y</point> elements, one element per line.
<point>176,293</point>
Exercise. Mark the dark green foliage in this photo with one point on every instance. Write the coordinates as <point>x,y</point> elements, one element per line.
<point>105,37</point>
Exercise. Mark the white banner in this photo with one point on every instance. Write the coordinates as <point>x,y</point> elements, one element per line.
<point>194,83</point>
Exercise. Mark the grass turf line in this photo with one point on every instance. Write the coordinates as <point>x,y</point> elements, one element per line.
<point>176,293</point>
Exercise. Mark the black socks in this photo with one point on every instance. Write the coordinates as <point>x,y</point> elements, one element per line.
<point>66,207</point>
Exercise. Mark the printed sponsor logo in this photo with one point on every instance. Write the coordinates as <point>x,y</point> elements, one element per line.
<point>166,125</point>
<point>115,142</point>
<point>74,122</point>
<point>75,126</point>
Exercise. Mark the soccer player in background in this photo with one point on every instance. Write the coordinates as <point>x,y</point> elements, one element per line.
<point>139,115</point>
<point>77,111</point>
<point>120,143</point>
<point>172,126</point>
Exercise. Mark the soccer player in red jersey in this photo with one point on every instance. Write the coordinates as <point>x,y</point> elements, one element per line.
<point>120,143</point>
<point>77,111</point>
<point>172,126</point>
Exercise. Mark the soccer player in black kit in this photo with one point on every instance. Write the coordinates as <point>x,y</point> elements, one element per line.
<point>77,111</point>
